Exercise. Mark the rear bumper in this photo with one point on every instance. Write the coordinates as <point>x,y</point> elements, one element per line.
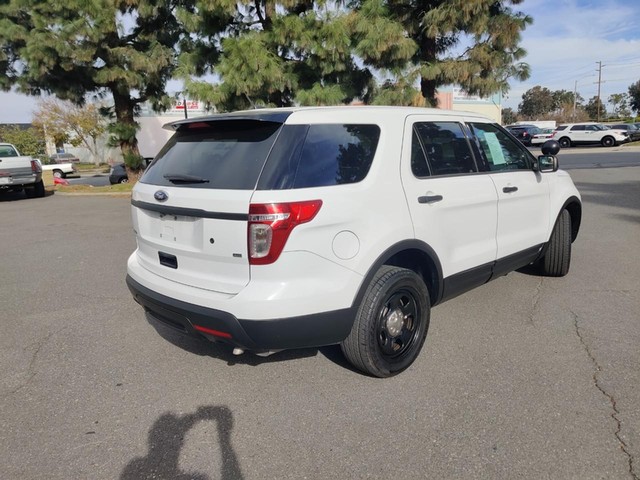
<point>314,330</point>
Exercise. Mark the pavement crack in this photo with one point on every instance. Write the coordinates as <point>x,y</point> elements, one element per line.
<point>535,302</point>
<point>31,373</point>
<point>612,401</point>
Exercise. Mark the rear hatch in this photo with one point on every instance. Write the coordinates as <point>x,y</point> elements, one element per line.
<point>191,206</point>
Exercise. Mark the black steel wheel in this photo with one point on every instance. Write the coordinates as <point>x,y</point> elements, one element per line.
<point>391,324</point>
<point>565,142</point>
<point>608,141</point>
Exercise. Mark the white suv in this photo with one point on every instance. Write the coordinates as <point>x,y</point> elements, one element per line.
<point>572,134</point>
<point>303,227</point>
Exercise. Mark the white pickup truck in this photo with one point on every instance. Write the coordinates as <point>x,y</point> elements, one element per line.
<point>19,172</point>
<point>60,170</point>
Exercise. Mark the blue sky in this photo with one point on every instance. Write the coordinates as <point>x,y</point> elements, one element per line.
<point>564,43</point>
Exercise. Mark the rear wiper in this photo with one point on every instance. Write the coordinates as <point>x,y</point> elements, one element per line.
<point>177,178</point>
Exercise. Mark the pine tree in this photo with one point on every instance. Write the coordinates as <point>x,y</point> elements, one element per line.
<point>470,43</point>
<point>72,49</point>
<point>275,54</point>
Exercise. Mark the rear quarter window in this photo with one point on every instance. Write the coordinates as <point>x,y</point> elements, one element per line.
<point>320,156</point>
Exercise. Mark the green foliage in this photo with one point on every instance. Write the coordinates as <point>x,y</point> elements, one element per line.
<point>634,96</point>
<point>538,102</point>
<point>66,122</point>
<point>619,105</point>
<point>509,116</point>
<point>592,109</point>
<point>79,47</point>
<point>423,36</point>
<point>29,141</point>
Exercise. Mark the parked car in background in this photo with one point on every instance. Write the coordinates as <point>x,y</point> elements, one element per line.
<point>118,174</point>
<point>19,172</point>
<point>60,170</point>
<point>524,133</point>
<point>544,135</point>
<point>588,133</point>
<point>633,132</point>
<point>63,158</point>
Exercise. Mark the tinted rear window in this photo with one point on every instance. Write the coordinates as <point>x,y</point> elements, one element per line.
<point>320,156</point>
<point>219,155</point>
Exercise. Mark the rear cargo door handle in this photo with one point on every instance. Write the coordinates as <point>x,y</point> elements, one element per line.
<point>429,198</point>
<point>168,260</point>
<point>510,189</point>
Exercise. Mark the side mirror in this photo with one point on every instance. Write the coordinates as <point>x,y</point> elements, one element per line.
<point>550,147</point>
<point>546,163</point>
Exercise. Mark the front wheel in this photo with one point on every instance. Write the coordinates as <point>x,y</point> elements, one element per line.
<point>123,180</point>
<point>556,260</point>
<point>58,173</point>
<point>391,324</point>
<point>608,141</point>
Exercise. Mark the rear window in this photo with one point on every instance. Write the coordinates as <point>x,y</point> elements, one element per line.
<point>7,151</point>
<point>308,156</point>
<point>218,155</point>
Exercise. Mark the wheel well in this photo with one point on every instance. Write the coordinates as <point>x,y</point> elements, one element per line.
<point>421,263</point>
<point>575,210</point>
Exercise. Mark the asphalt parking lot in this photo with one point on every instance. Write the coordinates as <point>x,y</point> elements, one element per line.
<point>522,378</point>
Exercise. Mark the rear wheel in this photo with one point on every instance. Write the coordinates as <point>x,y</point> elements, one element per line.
<point>565,142</point>
<point>557,258</point>
<point>608,141</point>
<point>391,324</point>
<point>58,173</point>
<point>123,180</point>
<point>37,191</point>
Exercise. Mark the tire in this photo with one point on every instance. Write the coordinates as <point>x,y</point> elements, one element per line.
<point>565,142</point>
<point>608,141</point>
<point>37,191</point>
<point>557,258</point>
<point>123,180</point>
<point>391,324</point>
<point>58,173</point>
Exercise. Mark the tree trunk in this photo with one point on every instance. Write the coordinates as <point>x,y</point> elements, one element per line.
<point>428,90</point>
<point>126,129</point>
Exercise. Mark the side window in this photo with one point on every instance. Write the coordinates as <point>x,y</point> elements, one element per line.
<point>577,128</point>
<point>592,128</point>
<point>446,148</point>
<point>336,155</point>
<point>500,151</point>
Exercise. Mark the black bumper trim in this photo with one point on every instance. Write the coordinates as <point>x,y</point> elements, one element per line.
<point>305,331</point>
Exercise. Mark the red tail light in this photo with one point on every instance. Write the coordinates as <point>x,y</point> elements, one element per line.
<point>35,166</point>
<point>270,225</point>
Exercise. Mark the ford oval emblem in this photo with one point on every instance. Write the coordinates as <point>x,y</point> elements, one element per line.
<point>161,196</point>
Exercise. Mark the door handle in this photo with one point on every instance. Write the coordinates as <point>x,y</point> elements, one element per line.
<point>510,189</point>
<point>429,198</point>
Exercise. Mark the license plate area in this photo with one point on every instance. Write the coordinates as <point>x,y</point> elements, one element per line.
<point>178,230</point>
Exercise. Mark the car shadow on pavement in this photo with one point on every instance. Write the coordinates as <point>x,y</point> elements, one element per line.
<point>166,440</point>
<point>16,196</point>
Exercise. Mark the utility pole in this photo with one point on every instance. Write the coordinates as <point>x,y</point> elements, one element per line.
<point>599,82</point>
